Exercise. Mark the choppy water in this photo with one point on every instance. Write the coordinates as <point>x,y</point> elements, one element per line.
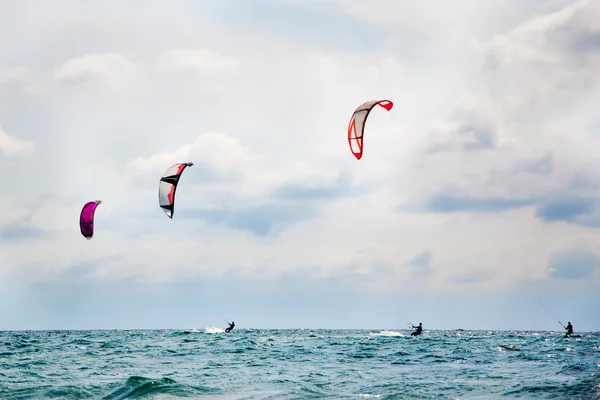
<point>298,364</point>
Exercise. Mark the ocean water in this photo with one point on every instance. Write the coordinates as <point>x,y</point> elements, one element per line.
<point>298,364</point>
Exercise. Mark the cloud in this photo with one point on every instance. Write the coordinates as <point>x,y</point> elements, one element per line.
<point>520,129</point>
<point>462,132</point>
<point>573,264</point>
<point>33,217</point>
<point>11,147</point>
<point>558,43</point>
<point>235,186</point>
<point>19,233</point>
<point>263,220</point>
<point>229,189</point>
<point>572,209</point>
<point>18,79</point>
<point>215,151</point>
<point>14,76</point>
<point>448,203</point>
<point>110,70</point>
<point>12,212</point>
<point>316,187</point>
<point>542,166</point>
<point>421,264</point>
<point>197,60</point>
<point>472,277</point>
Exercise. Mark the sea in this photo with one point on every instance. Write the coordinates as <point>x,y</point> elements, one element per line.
<point>298,364</point>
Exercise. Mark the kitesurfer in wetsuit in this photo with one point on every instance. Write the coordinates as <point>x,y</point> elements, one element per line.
<point>418,331</point>
<point>231,326</point>
<point>569,329</point>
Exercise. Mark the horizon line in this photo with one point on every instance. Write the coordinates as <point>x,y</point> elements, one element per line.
<point>196,330</point>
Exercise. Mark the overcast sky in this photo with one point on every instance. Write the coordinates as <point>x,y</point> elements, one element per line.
<point>477,194</point>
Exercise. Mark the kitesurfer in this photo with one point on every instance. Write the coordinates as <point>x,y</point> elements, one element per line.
<point>231,326</point>
<point>418,331</point>
<point>569,329</point>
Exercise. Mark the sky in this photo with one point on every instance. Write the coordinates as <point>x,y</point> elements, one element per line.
<point>475,202</point>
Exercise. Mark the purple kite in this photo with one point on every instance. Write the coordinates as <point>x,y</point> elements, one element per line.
<point>86,219</point>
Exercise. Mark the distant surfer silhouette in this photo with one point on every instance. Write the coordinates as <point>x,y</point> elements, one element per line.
<point>418,331</point>
<point>231,326</point>
<point>569,329</point>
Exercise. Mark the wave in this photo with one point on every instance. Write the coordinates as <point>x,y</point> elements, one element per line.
<point>214,329</point>
<point>386,333</point>
<point>140,386</point>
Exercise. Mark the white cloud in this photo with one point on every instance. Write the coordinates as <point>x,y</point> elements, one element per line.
<point>216,149</point>
<point>552,56</point>
<point>224,172</point>
<point>12,147</point>
<point>106,69</point>
<point>18,80</point>
<point>534,95</point>
<point>15,76</point>
<point>12,211</point>
<point>198,60</point>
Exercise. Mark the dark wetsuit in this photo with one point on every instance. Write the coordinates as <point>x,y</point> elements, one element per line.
<point>569,329</point>
<point>418,331</point>
<point>231,326</point>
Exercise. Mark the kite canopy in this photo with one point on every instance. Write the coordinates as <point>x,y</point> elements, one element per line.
<point>356,128</point>
<point>86,219</point>
<point>168,185</point>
